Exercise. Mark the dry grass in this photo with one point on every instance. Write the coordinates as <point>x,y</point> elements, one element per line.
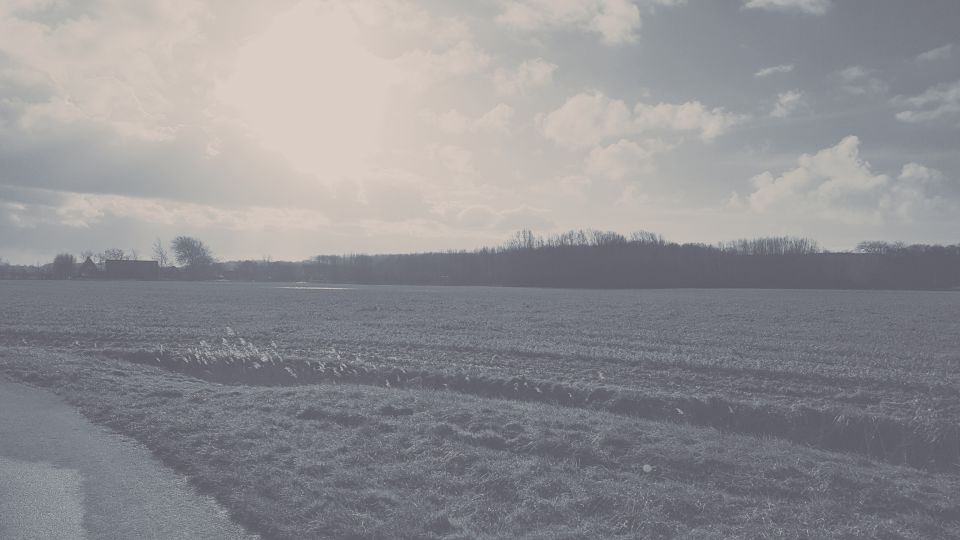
<point>929,443</point>
<point>347,461</point>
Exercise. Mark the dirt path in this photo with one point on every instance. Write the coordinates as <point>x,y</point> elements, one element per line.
<point>63,477</point>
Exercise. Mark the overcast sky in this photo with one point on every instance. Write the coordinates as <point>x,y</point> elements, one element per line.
<point>294,128</point>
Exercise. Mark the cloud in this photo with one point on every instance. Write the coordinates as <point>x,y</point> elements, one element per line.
<point>861,81</point>
<point>773,70</point>
<point>408,22</point>
<point>934,55</point>
<point>936,103</point>
<point>916,193</point>
<point>510,219</point>
<point>811,7</point>
<point>623,159</point>
<point>836,184</point>
<point>527,76</point>
<point>576,185</point>
<point>126,95</point>
<point>615,21</point>
<point>690,116</point>
<point>86,210</point>
<point>454,158</point>
<point>497,119</point>
<point>787,103</point>
<point>588,119</point>
<point>389,196</point>
<point>92,158</point>
<point>422,68</point>
<point>112,64</point>
<point>112,126</point>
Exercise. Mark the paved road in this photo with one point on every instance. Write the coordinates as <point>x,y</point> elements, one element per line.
<point>62,477</point>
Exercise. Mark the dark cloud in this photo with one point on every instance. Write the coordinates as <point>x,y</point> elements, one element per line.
<point>87,159</point>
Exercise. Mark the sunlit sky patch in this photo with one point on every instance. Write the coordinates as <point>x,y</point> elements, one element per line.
<point>293,128</point>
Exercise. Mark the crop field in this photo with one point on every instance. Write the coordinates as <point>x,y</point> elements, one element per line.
<point>890,353</point>
<point>520,412</point>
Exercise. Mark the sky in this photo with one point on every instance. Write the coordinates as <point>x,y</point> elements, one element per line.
<point>288,129</point>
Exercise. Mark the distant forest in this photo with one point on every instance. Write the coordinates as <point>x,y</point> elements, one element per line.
<point>599,259</point>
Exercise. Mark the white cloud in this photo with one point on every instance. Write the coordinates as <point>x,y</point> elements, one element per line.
<point>690,116</point>
<point>623,159</point>
<point>575,185</point>
<point>933,55</point>
<point>860,81</point>
<point>423,68</point>
<point>615,21</point>
<point>497,119</point>
<point>455,158</point>
<point>936,103</point>
<point>787,103</point>
<point>915,193</point>
<point>528,75</point>
<point>588,119</point>
<point>838,185</point>
<point>405,21</point>
<point>812,7</point>
<point>773,70</point>
<point>113,66</point>
<point>511,219</point>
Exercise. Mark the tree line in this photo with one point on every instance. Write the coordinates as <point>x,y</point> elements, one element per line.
<point>596,259</point>
<point>601,259</point>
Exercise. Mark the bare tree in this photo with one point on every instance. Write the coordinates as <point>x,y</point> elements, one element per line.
<point>112,254</point>
<point>524,240</point>
<point>160,253</point>
<point>880,248</point>
<point>646,237</point>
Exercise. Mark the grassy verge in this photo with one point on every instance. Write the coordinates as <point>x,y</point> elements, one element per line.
<point>341,460</point>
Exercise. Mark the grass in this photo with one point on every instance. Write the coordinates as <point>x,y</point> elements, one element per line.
<point>887,353</point>
<point>920,442</point>
<point>347,461</point>
<point>386,412</point>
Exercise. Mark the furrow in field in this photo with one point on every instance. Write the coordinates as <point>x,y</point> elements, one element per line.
<point>926,443</point>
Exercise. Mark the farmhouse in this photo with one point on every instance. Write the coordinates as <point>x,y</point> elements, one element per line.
<point>88,269</point>
<point>145,270</point>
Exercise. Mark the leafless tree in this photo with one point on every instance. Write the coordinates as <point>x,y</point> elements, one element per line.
<point>160,253</point>
<point>112,254</point>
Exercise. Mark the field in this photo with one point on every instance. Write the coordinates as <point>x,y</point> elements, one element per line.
<point>376,412</point>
